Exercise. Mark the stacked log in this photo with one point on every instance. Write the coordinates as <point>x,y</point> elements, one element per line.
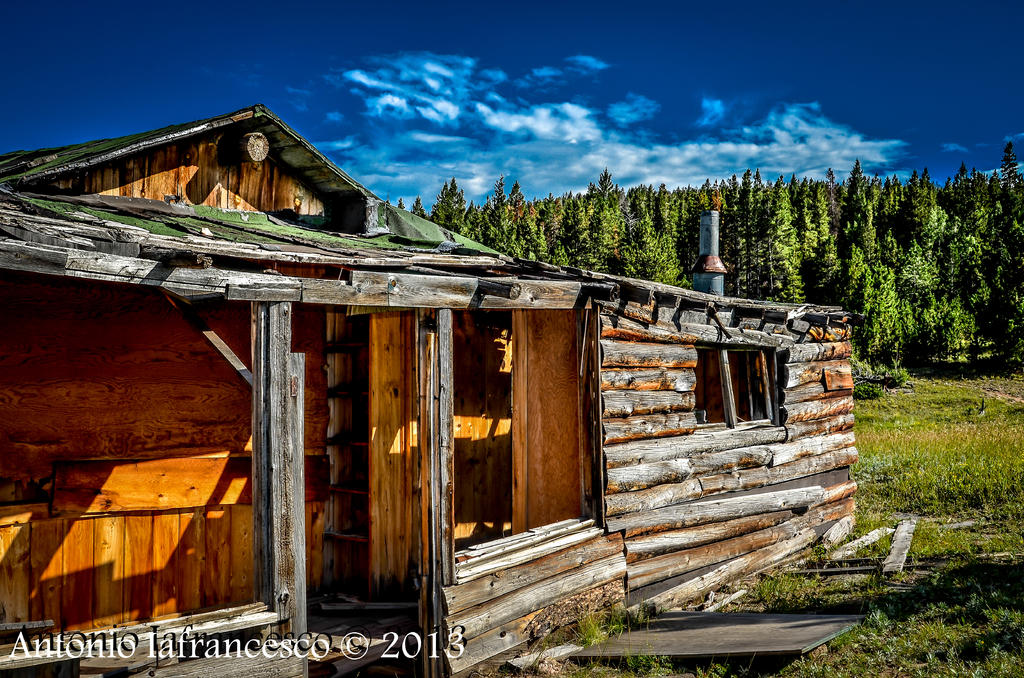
<point>700,504</point>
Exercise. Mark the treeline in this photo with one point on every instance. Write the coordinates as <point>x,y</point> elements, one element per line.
<point>938,271</point>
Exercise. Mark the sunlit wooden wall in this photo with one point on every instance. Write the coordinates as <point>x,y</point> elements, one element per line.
<point>125,455</point>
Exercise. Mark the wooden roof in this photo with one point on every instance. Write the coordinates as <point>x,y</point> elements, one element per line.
<point>197,250</point>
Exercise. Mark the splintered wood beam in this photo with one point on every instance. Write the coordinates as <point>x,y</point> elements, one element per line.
<point>900,546</point>
<point>278,466</point>
<point>211,337</point>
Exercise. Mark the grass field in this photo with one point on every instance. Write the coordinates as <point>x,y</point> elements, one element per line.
<point>950,449</point>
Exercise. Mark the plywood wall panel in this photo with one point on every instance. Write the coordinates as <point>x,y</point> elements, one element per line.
<point>552,402</point>
<point>393,460</point>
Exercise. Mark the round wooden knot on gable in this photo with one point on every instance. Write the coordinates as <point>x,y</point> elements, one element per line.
<point>255,147</point>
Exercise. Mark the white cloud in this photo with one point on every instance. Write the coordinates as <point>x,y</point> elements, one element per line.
<point>439,116</point>
<point>587,63</point>
<point>712,111</point>
<point>531,145</point>
<point>634,108</point>
<point>951,147</point>
<point>333,116</point>
<point>336,144</point>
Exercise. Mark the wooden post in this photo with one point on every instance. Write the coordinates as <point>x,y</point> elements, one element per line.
<point>278,499</point>
<point>728,397</point>
<point>432,596</point>
<point>446,448</point>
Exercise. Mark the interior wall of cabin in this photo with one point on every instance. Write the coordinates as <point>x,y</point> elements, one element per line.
<point>125,453</point>
<point>373,529</point>
<point>199,171</point>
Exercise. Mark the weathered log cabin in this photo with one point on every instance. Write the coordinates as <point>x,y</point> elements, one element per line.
<point>239,391</point>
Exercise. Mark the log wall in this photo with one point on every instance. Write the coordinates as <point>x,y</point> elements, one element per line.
<point>699,504</point>
<point>125,456</point>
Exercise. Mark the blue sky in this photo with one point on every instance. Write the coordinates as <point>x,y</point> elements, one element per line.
<point>405,96</point>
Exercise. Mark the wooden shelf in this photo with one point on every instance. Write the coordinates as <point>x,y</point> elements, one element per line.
<point>345,346</point>
<point>346,536</point>
<point>347,489</point>
<point>338,392</point>
<point>341,440</point>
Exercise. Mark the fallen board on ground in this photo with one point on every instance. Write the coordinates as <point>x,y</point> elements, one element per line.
<point>692,635</point>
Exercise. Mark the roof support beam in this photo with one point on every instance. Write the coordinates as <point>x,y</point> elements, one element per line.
<point>211,337</point>
<point>279,536</point>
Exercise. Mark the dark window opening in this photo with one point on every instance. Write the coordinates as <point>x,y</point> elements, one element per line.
<point>746,395</point>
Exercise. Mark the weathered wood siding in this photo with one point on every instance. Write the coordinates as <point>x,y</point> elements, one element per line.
<point>699,504</point>
<point>519,592</point>
<point>199,172</point>
<point>125,454</point>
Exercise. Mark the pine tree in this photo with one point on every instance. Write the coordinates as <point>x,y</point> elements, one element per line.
<point>449,210</point>
<point>417,208</point>
<point>401,204</point>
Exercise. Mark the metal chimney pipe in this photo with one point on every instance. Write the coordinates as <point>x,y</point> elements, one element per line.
<point>709,271</point>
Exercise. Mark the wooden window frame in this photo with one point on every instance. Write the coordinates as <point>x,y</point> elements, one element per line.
<point>769,377</point>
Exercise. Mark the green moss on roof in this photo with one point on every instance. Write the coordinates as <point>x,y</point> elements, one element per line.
<point>70,210</point>
<point>13,164</point>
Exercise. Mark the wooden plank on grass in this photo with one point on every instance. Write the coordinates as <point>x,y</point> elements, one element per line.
<point>900,546</point>
<point>861,542</point>
<point>693,635</point>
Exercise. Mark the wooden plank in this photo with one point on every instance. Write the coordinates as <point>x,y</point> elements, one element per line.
<point>691,514</point>
<point>510,579</point>
<point>808,447</point>
<point>160,484</point>
<point>278,466</point>
<point>108,569</point>
<point>679,447</point>
<point>530,660</point>
<point>900,546</point>
<point>191,558</point>
<point>445,447</point>
<point>479,567</point>
<point>166,534</point>
<point>138,566</point>
<point>817,409</point>
<point>837,532</point>
<point>659,543</point>
<point>698,635</point>
<point>850,549</point>
<point>650,570</point>
<point>553,466</point>
<point>393,552</point>
<point>649,426</point>
<point>814,352</point>
<point>617,327</point>
<point>76,589</point>
<point>728,396</point>
<point>47,566</point>
<point>629,403</point>
<point>795,374</point>
<point>241,579</point>
<point>15,550</point>
<point>19,514</point>
<point>643,476</point>
<point>752,562</point>
<point>627,354</point>
<point>533,597</point>
<point>806,429</point>
<point>651,379</point>
<point>761,477</point>
<point>520,421</point>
